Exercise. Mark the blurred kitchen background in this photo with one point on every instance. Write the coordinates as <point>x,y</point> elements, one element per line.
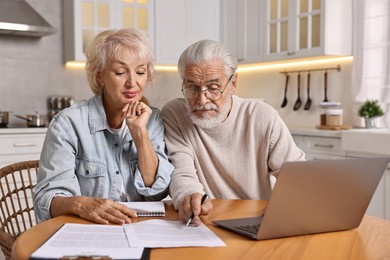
<point>33,68</point>
<point>344,44</point>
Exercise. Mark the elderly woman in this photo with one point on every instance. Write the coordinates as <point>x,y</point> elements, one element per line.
<point>110,148</point>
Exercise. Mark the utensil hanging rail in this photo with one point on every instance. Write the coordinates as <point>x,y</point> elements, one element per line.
<point>338,68</point>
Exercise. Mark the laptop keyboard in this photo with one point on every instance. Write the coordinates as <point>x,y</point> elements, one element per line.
<point>249,228</point>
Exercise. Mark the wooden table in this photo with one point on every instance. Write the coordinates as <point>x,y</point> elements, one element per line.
<point>371,240</point>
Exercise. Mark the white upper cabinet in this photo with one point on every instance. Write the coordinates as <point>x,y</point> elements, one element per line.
<point>84,19</point>
<point>179,23</point>
<point>240,29</point>
<point>306,28</point>
<point>255,30</point>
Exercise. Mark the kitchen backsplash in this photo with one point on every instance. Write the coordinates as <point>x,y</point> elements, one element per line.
<point>32,69</point>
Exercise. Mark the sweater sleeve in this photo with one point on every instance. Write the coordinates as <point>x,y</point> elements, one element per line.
<point>184,179</point>
<point>282,147</point>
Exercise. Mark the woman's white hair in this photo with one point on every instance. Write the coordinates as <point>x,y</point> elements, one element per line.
<point>111,45</point>
<point>205,51</point>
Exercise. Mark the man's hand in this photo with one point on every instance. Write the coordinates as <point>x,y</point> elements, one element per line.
<point>191,204</point>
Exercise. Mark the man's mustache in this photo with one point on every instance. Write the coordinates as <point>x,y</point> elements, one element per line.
<point>204,107</point>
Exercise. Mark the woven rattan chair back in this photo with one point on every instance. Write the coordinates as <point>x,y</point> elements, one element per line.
<point>17,211</point>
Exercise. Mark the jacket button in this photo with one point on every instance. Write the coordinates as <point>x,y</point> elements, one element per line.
<point>117,172</point>
<point>87,171</point>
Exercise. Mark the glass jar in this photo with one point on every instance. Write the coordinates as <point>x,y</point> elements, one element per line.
<point>334,117</point>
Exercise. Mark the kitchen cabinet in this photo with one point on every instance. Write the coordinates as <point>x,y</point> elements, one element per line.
<point>320,147</point>
<point>240,29</point>
<point>84,19</point>
<point>298,29</point>
<point>180,23</point>
<point>20,144</point>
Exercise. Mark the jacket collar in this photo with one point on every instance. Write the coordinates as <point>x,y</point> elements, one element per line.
<point>96,114</point>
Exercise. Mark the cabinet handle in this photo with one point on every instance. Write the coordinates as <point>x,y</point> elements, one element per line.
<point>290,53</point>
<point>25,145</point>
<point>324,145</point>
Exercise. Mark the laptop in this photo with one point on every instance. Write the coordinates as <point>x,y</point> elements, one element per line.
<point>314,197</point>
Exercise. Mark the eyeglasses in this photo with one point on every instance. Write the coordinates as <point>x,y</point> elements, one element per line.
<point>213,94</point>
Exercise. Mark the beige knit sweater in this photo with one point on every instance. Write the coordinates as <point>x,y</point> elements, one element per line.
<point>231,161</point>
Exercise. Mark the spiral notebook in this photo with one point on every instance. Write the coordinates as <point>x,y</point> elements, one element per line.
<point>147,208</point>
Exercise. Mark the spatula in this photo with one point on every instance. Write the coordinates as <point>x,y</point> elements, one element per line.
<point>298,103</point>
<point>284,102</point>
<point>308,101</point>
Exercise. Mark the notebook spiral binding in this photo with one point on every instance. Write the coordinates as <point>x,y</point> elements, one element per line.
<point>150,213</point>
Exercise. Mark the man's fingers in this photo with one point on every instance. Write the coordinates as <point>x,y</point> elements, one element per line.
<point>195,203</point>
<point>206,207</point>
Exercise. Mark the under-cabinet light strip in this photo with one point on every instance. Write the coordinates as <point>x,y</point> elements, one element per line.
<point>252,67</point>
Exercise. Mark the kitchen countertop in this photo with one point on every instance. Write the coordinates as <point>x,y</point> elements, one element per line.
<point>373,141</point>
<point>361,140</point>
<point>23,130</point>
<point>312,131</point>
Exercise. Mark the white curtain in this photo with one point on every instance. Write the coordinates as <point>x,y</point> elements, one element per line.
<point>371,51</point>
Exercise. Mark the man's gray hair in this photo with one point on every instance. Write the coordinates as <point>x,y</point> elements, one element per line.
<point>204,51</point>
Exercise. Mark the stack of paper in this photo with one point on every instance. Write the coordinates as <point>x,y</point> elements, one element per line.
<point>124,242</point>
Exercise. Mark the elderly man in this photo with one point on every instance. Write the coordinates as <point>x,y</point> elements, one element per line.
<point>220,144</point>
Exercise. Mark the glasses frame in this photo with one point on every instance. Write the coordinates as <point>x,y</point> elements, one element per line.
<point>206,90</point>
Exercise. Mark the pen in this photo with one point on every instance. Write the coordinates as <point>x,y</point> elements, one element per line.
<point>192,215</point>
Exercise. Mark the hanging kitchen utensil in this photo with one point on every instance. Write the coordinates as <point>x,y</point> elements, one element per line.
<point>308,101</point>
<point>284,102</point>
<point>298,103</point>
<point>326,86</point>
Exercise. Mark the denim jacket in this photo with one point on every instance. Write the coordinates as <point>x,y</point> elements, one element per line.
<point>81,156</point>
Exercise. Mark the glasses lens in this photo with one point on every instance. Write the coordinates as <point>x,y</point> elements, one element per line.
<point>190,92</point>
<point>212,94</point>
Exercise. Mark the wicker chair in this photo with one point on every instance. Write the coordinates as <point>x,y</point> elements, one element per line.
<point>17,211</point>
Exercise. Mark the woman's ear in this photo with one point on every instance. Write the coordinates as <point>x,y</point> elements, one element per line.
<point>99,79</point>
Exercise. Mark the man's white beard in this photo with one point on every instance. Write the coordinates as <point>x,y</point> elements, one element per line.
<point>206,121</point>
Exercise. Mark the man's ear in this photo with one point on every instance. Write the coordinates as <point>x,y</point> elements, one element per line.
<point>234,83</point>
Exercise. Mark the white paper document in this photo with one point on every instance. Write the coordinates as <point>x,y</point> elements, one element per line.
<point>156,233</point>
<point>88,240</point>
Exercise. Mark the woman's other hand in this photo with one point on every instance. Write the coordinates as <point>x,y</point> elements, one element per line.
<point>98,210</point>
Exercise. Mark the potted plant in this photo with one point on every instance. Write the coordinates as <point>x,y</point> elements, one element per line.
<point>370,110</point>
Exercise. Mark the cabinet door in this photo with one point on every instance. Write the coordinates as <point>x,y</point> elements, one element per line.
<point>20,147</point>
<point>180,23</point>
<point>307,28</point>
<point>84,19</point>
<point>240,29</point>
<point>137,14</point>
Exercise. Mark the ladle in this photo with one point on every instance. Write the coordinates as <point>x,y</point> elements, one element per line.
<point>308,101</point>
<point>326,86</point>
<point>284,102</point>
<point>298,103</point>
